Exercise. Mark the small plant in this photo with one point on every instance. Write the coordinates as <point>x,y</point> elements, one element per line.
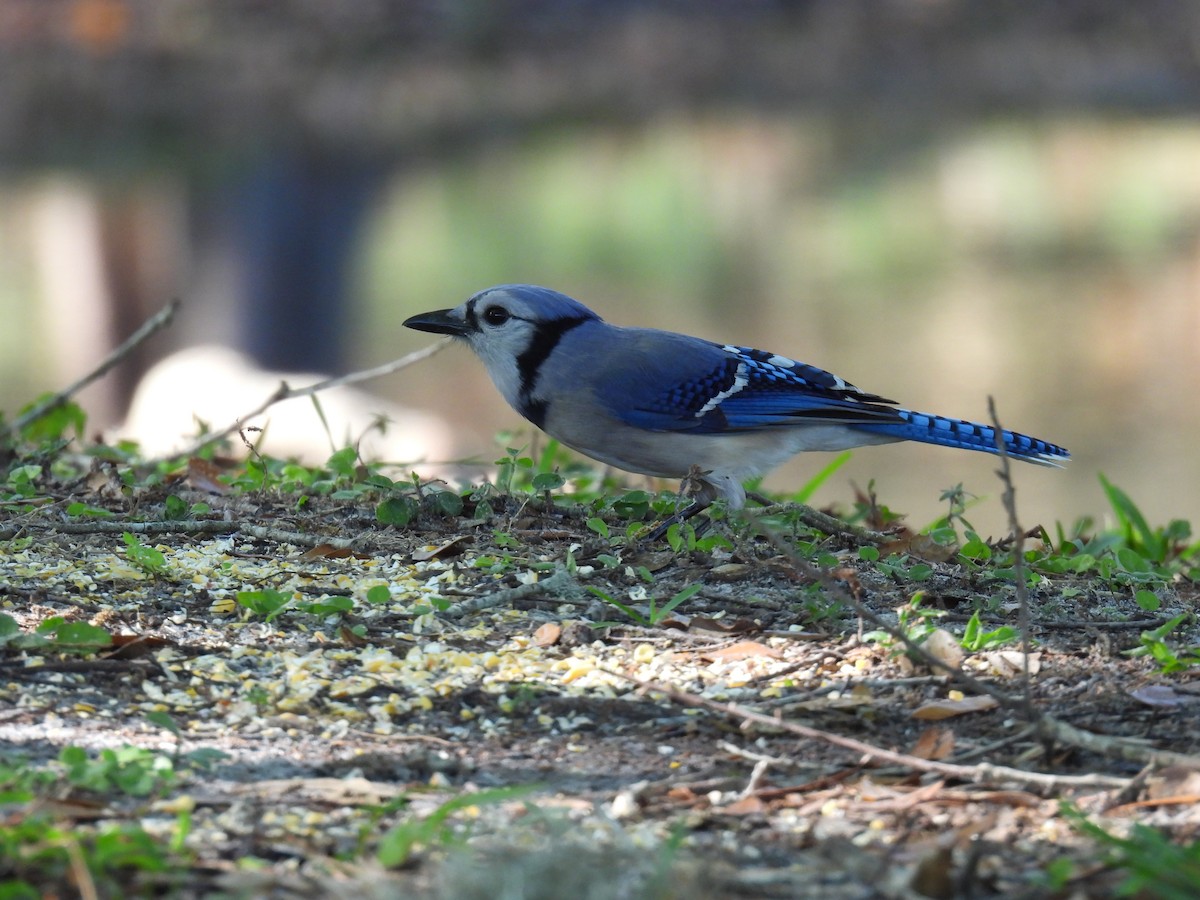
<point>148,559</point>
<point>975,638</point>
<point>267,603</point>
<point>1154,645</point>
<point>913,621</point>
<point>1154,866</point>
<point>175,509</point>
<point>655,613</point>
<point>55,634</point>
<point>127,770</point>
<point>400,842</point>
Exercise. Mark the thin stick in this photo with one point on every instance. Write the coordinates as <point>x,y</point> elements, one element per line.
<point>976,773</point>
<point>1049,727</point>
<point>156,322</point>
<point>286,392</point>
<point>1009,498</point>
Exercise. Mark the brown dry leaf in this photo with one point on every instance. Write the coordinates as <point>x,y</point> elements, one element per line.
<point>921,545</point>
<point>104,481</point>
<point>203,476</point>
<point>326,551</point>
<point>131,646</point>
<point>742,650</point>
<point>933,876</point>
<point>944,647</point>
<point>1173,782</point>
<point>683,794</point>
<point>725,626</point>
<point>947,708</point>
<point>933,743</point>
<point>731,572</point>
<point>547,635</point>
<point>745,806</point>
<point>654,561</point>
<point>449,548</point>
<point>1011,663</point>
<point>350,638</point>
<point>576,634</point>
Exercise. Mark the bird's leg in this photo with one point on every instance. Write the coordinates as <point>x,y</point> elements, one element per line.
<point>702,493</point>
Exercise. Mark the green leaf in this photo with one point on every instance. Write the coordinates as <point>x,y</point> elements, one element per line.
<point>163,721</point>
<point>1132,561</point>
<point>266,602</point>
<point>380,593</point>
<point>447,503</point>
<point>1133,523</point>
<point>599,526</point>
<point>548,481</point>
<point>686,594</point>
<point>174,508</point>
<point>344,462</point>
<point>920,571</point>
<point>397,511</point>
<point>1147,600</point>
<point>82,509</point>
<point>148,559</point>
<point>81,637</point>
<point>9,628</point>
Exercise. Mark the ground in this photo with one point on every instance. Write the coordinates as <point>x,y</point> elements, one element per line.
<point>490,696</point>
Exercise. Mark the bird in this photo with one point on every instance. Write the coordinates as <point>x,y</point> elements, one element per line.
<point>669,405</point>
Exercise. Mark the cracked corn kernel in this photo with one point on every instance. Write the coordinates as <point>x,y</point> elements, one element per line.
<point>223,606</point>
<point>644,654</point>
<point>577,668</point>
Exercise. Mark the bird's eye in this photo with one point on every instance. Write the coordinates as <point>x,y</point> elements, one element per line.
<point>496,315</point>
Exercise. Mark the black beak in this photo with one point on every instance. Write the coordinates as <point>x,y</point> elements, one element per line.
<point>439,322</point>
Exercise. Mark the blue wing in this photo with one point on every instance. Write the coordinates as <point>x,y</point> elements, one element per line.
<point>730,388</point>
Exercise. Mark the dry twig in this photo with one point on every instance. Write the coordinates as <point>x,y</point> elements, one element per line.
<point>155,323</point>
<point>286,392</point>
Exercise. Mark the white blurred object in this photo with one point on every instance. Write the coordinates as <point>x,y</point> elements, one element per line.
<point>216,385</point>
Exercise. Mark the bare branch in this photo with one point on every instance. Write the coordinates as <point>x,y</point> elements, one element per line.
<point>155,323</point>
<point>286,392</point>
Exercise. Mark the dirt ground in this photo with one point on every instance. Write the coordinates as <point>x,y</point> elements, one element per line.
<point>707,752</point>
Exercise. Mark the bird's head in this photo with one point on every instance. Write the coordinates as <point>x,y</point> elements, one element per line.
<point>512,328</point>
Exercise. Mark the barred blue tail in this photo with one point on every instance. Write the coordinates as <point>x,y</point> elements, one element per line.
<point>932,429</point>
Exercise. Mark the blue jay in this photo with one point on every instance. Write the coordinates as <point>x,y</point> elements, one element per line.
<point>669,405</point>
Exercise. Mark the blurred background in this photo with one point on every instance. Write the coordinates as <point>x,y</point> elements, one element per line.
<point>937,200</point>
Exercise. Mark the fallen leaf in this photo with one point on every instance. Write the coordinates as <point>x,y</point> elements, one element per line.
<point>449,548</point>
<point>944,647</point>
<point>547,635</point>
<point>745,806</point>
<point>352,639</point>
<point>921,545</point>
<point>725,626</point>
<point>742,650</point>
<point>326,551</point>
<point>933,876</point>
<point>945,709</point>
<point>933,743</point>
<point>131,646</point>
<point>1173,781</point>
<point>653,561</point>
<point>576,634</point>
<point>731,572</point>
<point>1011,663</point>
<point>203,476</point>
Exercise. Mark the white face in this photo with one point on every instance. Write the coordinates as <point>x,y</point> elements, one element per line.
<point>504,328</point>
